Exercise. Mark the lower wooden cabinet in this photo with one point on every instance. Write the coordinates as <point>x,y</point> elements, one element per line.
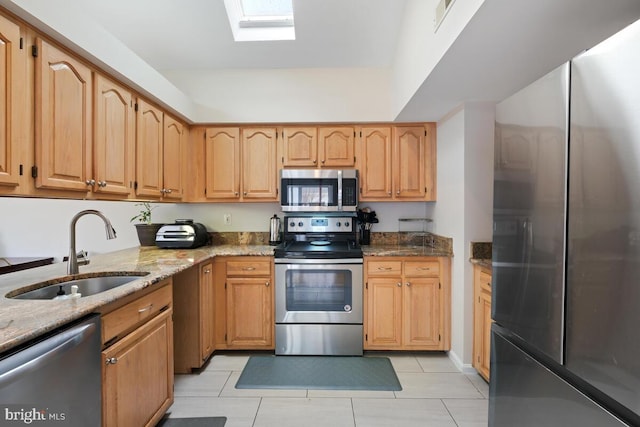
<point>244,303</point>
<point>407,303</point>
<point>194,310</point>
<point>482,320</point>
<point>137,364</point>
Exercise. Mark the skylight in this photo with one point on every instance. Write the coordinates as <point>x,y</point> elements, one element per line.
<point>261,20</point>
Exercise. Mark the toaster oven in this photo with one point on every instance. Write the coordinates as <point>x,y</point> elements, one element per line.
<point>184,234</point>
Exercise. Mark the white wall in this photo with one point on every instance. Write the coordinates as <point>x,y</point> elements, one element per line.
<point>289,95</point>
<point>420,47</point>
<point>40,227</point>
<point>464,209</point>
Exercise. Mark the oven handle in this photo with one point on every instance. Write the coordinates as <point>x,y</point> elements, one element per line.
<point>318,261</point>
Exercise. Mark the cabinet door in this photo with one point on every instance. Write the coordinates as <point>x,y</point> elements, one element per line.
<point>482,322</point>
<point>113,141</point>
<point>384,313</point>
<point>173,146</point>
<point>62,120</point>
<point>409,162</point>
<point>421,313</point>
<point>12,99</point>
<point>259,164</point>
<point>138,375</point>
<point>222,163</point>
<point>149,133</point>
<point>375,163</point>
<point>299,147</point>
<point>249,313</point>
<point>336,146</point>
<point>485,321</point>
<point>206,310</point>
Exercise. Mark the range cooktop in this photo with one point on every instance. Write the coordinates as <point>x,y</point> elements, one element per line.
<point>323,249</point>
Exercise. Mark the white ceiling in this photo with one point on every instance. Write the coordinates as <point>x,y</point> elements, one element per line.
<point>195,34</point>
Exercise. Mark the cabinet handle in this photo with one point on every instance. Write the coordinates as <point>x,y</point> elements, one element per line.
<point>207,271</point>
<point>322,162</point>
<point>245,193</point>
<point>315,161</point>
<point>90,182</point>
<point>384,268</point>
<point>423,268</point>
<point>248,268</point>
<point>398,192</point>
<point>102,184</point>
<point>147,308</point>
<point>389,193</point>
<point>267,284</point>
<point>111,361</point>
<point>167,191</point>
<point>408,283</point>
<point>399,284</point>
<point>236,193</point>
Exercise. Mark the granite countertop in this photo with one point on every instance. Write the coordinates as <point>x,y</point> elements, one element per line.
<point>23,320</point>
<point>481,262</point>
<point>398,250</point>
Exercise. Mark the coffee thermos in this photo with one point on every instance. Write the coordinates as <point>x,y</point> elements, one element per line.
<point>274,230</point>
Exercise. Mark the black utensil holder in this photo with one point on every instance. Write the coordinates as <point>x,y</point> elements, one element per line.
<point>365,236</point>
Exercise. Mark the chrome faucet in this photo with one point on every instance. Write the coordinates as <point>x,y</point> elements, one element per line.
<point>72,265</point>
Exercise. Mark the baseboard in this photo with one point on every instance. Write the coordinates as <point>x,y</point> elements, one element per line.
<point>465,368</point>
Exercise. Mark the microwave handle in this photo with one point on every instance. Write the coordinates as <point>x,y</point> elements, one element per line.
<point>340,190</point>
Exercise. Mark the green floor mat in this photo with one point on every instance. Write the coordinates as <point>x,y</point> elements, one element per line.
<point>319,372</point>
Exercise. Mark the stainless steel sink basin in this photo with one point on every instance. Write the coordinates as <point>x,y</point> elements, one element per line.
<point>86,286</point>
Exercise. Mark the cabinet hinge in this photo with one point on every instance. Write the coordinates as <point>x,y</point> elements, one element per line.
<point>354,159</point>
<point>282,159</point>
<point>425,190</point>
<point>366,285</point>
<point>439,338</point>
<point>354,134</point>
<point>34,51</point>
<point>225,286</point>
<point>135,185</point>
<point>439,285</point>
<point>21,169</point>
<point>276,192</point>
<point>21,43</point>
<point>34,171</point>
<point>425,132</point>
<point>360,134</point>
<point>366,337</point>
<point>135,106</point>
<point>225,337</point>
<point>360,190</point>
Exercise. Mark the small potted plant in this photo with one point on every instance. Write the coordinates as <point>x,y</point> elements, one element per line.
<point>145,228</point>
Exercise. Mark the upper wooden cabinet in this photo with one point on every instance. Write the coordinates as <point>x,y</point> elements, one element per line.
<point>159,147</point>
<point>240,164</point>
<point>12,102</point>
<point>397,163</point>
<point>325,147</point>
<point>113,142</point>
<point>172,155</point>
<point>62,120</point>
<point>299,147</point>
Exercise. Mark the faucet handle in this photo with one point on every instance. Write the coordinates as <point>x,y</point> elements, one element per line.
<point>83,257</point>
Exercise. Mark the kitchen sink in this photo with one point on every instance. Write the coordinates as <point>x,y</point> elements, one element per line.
<point>89,285</point>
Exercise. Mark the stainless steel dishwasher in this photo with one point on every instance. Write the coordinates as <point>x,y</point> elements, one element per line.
<point>56,380</point>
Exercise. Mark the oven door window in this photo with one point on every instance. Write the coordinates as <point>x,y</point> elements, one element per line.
<point>305,192</point>
<point>318,290</point>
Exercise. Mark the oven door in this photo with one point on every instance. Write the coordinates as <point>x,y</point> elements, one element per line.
<point>319,291</point>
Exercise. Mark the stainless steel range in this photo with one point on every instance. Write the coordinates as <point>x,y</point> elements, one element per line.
<point>319,282</point>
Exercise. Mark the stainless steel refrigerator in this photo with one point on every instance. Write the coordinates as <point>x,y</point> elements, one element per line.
<point>566,245</point>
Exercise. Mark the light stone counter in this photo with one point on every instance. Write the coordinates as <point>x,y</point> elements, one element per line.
<point>23,320</point>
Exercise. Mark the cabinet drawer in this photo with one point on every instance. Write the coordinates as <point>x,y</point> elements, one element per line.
<point>127,317</point>
<point>485,281</point>
<point>384,268</point>
<point>248,268</point>
<point>422,268</point>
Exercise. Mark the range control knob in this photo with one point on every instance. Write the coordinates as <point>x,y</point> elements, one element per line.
<point>300,224</point>
<point>346,224</point>
<point>292,224</point>
<point>338,223</point>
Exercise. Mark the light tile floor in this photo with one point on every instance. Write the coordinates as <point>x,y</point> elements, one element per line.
<point>434,393</point>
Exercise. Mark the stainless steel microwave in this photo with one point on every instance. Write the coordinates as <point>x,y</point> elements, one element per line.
<point>318,190</point>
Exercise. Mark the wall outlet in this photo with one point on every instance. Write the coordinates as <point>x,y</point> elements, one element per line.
<point>227,219</point>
